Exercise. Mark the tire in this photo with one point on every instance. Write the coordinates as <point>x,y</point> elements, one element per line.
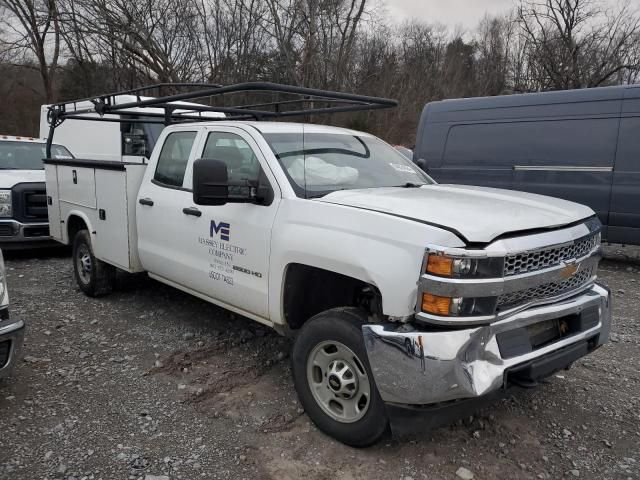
<point>362,420</point>
<point>94,277</point>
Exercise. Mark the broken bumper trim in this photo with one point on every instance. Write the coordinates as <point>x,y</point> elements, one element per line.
<point>430,367</point>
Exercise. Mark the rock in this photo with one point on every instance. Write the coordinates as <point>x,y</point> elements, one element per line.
<point>188,335</point>
<point>48,455</point>
<point>245,335</point>
<point>566,433</point>
<point>614,337</point>
<point>62,469</point>
<point>574,472</point>
<point>464,474</point>
<point>156,477</point>
<point>158,364</point>
<point>607,443</point>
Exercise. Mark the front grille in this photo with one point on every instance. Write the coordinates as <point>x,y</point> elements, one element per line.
<point>35,204</point>
<point>550,257</point>
<point>5,348</point>
<point>30,202</point>
<point>7,230</point>
<point>546,290</point>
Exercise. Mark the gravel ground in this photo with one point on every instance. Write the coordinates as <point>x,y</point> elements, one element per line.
<point>154,384</point>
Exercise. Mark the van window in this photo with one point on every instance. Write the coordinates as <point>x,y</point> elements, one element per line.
<point>629,146</point>
<point>173,158</point>
<point>583,142</point>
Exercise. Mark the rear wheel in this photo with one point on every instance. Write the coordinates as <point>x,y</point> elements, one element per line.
<point>94,277</point>
<point>334,381</point>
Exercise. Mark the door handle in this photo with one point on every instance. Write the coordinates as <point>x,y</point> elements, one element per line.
<point>192,211</point>
<point>146,201</point>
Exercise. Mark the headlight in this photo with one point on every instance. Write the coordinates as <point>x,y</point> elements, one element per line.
<point>6,209</point>
<point>452,266</point>
<point>4,298</point>
<point>468,265</point>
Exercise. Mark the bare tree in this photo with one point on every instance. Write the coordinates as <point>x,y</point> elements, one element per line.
<point>32,32</point>
<point>578,43</point>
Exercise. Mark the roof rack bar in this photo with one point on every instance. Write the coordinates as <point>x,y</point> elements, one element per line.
<point>299,100</point>
<point>253,87</point>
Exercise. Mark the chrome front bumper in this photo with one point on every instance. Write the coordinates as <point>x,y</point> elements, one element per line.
<point>11,338</point>
<point>429,367</point>
<point>15,234</point>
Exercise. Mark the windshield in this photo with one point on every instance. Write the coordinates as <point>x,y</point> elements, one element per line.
<point>28,155</point>
<point>320,163</point>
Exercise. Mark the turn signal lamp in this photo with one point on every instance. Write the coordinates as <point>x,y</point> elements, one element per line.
<point>440,265</point>
<point>436,305</point>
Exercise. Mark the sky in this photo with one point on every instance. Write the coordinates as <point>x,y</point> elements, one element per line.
<point>465,14</point>
<point>453,13</point>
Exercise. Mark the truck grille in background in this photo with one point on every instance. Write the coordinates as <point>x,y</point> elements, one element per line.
<point>547,290</point>
<point>6,231</point>
<point>550,257</point>
<point>35,204</point>
<point>5,348</point>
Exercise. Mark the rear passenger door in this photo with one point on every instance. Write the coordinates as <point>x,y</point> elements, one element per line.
<point>159,209</point>
<point>570,159</point>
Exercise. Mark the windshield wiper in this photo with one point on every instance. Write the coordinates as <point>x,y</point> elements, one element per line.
<point>411,185</point>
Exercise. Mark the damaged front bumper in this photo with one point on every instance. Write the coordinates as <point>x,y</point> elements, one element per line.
<point>433,366</point>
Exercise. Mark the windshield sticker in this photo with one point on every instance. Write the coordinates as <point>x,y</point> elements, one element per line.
<point>402,168</point>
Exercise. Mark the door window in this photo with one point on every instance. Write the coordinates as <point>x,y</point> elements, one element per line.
<point>174,157</point>
<point>236,153</point>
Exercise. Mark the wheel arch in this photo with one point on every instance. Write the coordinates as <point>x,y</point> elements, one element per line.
<point>76,221</point>
<point>309,289</point>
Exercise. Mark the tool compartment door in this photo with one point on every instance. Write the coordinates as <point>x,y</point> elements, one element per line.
<point>112,224</point>
<point>53,205</point>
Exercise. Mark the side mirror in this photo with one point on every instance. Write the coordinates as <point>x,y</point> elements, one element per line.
<point>210,182</point>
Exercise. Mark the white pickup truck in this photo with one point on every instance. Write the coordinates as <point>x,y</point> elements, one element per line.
<point>23,208</point>
<point>405,297</point>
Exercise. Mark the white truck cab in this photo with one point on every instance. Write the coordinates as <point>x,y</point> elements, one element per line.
<point>23,208</point>
<point>404,296</point>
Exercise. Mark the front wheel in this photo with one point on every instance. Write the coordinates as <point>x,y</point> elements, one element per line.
<point>94,277</point>
<point>333,378</point>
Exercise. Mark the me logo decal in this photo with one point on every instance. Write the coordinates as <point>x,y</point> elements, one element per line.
<point>223,228</point>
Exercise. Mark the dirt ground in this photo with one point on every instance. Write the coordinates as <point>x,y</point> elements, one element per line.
<point>151,383</point>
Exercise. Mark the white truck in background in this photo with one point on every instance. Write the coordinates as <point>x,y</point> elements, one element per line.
<point>405,297</point>
<point>23,207</point>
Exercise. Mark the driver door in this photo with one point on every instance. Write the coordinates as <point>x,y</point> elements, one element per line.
<point>230,244</point>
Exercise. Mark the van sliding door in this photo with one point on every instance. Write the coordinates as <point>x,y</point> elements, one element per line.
<point>624,220</point>
<point>570,159</point>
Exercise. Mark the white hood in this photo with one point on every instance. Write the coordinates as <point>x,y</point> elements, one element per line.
<point>9,178</point>
<point>478,214</point>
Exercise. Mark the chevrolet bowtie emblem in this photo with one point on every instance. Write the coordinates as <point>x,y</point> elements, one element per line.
<point>570,270</point>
